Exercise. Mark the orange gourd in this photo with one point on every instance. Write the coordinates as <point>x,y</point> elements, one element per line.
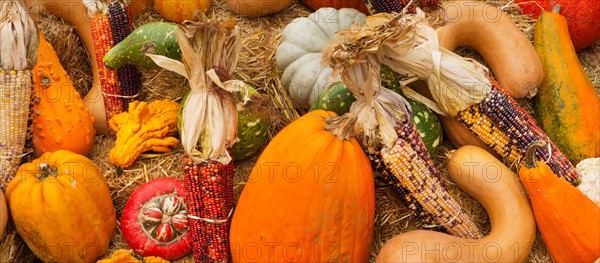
<point>60,120</point>
<point>567,105</point>
<point>567,219</point>
<point>309,198</point>
<point>494,35</point>
<point>179,10</point>
<point>61,202</point>
<point>76,14</point>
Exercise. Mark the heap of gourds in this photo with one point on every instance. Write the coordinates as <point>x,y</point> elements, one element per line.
<point>316,202</point>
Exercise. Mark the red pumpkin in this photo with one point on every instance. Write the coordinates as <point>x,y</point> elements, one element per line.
<point>154,220</point>
<point>583,17</point>
<point>337,4</point>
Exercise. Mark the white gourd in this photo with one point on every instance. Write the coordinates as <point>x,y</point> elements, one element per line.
<point>299,54</point>
<point>589,170</point>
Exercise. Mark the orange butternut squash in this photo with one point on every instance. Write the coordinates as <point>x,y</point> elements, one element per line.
<point>494,35</point>
<point>60,119</point>
<point>567,106</point>
<point>568,220</point>
<point>485,178</point>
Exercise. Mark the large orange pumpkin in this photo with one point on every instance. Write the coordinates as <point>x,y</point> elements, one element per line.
<point>61,207</point>
<point>309,198</point>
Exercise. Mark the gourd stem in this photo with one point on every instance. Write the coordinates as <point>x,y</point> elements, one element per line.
<point>530,161</point>
<point>46,171</point>
<point>556,9</point>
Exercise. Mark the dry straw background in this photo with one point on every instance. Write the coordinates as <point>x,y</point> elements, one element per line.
<point>256,67</point>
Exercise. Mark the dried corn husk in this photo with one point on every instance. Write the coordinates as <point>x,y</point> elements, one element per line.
<point>209,116</point>
<point>18,55</point>
<point>409,46</point>
<point>376,114</point>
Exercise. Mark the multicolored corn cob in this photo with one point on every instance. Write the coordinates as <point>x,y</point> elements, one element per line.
<point>408,167</point>
<point>103,41</point>
<point>16,87</point>
<point>29,137</point>
<point>394,6</point>
<point>128,75</point>
<point>500,122</point>
<point>210,202</point>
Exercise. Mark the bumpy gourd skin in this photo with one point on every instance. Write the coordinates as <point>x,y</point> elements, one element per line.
<point>567,105</point>
<point>60,119</point>
<point>146,127</point>
<point>123,255</point>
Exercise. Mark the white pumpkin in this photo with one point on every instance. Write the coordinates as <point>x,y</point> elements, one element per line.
<point>589,170</point>
<point>299,54</point>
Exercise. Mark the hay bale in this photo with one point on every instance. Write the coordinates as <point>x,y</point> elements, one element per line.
<point>256,67</point>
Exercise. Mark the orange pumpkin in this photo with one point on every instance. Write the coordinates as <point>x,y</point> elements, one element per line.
<point>179,10</point>
<point>60,120</point>
<point>567,219</point>
<point>309,198</point>
<point>60,202</point>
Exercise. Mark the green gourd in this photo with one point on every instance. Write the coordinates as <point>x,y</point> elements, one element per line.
<point>338,98</point>
<point>253,124</point>
<point>154,38</point>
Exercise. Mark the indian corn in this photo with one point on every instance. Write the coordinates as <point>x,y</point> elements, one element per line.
<point>18,55</point>
<point>500,122</point>
<point>212,182</point>
<point>103,41</point>
<point>208,130</point>
<point>128,75</point>
<point>408,168</point>
<point>387,6</point>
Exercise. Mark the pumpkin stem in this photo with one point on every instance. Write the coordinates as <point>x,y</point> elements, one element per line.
<point>556,9</point>
<point>46,171</point>
<point>530,161</point>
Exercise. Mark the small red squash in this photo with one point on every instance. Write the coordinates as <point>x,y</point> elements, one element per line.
<point>309,198</point>
<point>155,222</point>
<point>583,17</point>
